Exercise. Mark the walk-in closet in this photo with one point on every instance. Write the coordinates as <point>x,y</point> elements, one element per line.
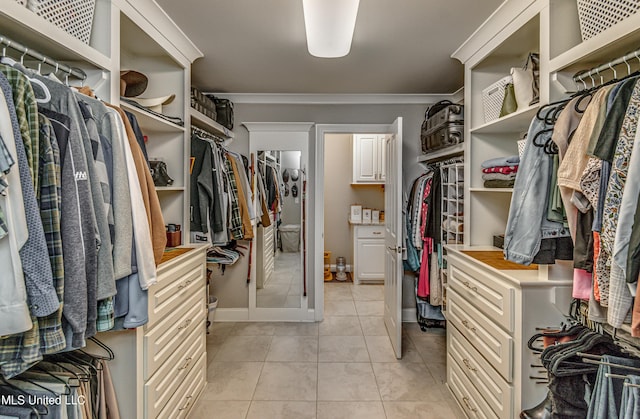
<point>319,209</point>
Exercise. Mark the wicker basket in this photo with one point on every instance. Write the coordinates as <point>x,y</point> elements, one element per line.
<point>598,15</point>
<point>492,98</point>
<point>73,16</point>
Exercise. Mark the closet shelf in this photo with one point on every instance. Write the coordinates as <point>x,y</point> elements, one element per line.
<point>151,123</point>
<point>514,122</point>
<point>503,190</point>
<point>202,121</point>
<point>441,154</point>
<point>22,24</point>
<point>611,43</point>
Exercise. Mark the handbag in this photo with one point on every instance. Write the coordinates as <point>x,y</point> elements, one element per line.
<point>159,173</point>
<point>526,81</point>
<point>509,103</point>
<point>224,111</point>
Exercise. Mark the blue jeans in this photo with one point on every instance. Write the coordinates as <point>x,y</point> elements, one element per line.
<point>528,223</point>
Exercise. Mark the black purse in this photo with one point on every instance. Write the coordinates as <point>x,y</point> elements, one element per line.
<point>159,173</point>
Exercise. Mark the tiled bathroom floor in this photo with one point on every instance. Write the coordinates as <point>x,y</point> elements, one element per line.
<point>343,367</point>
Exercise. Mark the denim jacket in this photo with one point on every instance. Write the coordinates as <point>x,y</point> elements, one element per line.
<point>528,223</point>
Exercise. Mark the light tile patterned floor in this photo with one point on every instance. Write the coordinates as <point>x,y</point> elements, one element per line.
<point>343,367</point>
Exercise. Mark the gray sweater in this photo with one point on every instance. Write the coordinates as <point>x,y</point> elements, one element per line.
<point>80,304</point>
<point>106,119</point>
<point>41,295</point>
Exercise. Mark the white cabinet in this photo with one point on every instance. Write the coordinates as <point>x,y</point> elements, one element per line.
<point>265,261</point>
<point>491,315</point>
<point>368,253</point>
<point>159,369</point>
<point>368,158</point>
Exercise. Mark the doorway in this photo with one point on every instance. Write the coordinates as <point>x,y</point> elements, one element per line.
<point>328,134</point>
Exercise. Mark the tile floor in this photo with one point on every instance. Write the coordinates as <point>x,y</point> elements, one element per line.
<point>343,367</point>
<point>285,286</point>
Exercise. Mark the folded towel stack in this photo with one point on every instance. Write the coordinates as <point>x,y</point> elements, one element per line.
<point>500,172</point>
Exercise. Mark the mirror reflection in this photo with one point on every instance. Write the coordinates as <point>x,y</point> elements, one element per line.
<point>279,260</point>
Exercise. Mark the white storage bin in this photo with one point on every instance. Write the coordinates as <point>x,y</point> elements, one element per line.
<point>290,235</point>
<point>492,98</point>
<point>73,16</point>
<point>598,15</point>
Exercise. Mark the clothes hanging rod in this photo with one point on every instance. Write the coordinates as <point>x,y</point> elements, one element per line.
<point>205,133</point>
<point>9,43</point>
<point>608,66</point>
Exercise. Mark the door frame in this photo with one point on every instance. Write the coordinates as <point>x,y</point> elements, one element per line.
<point>321,131</point>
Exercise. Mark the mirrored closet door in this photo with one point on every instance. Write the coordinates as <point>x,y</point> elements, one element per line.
<point>279,284</point>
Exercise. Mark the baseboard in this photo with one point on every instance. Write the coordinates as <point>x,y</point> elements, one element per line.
<point>409,315</point>
<point>231,315</point>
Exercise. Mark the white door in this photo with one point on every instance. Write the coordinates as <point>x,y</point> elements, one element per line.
<point>393,237</point>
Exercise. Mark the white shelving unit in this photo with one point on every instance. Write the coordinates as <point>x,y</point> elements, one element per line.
<point>138,35</point>
<point>479,304</point>
<point>452,186</point>
<point>455,150</point>
<point>200,120</point>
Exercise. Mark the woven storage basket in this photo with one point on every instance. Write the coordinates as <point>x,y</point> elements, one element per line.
<point>597,15</point>
<point>492,98</point>
<point>73,16</point>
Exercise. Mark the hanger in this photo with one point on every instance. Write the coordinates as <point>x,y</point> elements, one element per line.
<point>110,355</point>
<point>80,376</point>
<point>67,386</point>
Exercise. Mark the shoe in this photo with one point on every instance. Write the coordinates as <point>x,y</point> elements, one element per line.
<point>541,411</point>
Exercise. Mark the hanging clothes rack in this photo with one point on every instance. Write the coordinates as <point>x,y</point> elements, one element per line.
<point>206,134</point>
<point>43,59</point>
<point>580,77</point>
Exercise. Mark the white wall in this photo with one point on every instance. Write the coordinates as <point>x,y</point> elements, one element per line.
<point>231,289</point>
<point>339,195</point>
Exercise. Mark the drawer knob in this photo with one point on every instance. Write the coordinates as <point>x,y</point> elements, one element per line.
<point>468,285</point>
<point>465,323</point>
<point>468,404</point>
<point>467,364</point>
<point>185,325</point>
<point>186,406</point>
<point>377,232</point>
<point>186,364</point>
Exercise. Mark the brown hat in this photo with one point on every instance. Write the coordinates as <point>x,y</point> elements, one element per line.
<point>132,83</point>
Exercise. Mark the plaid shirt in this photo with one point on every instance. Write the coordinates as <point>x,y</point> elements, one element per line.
<point>24,100</point>
<point>236,219</point>
<point>49,196</point>
<point>106,315</point>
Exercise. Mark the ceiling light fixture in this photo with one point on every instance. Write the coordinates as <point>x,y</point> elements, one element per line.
<point>329,25</point>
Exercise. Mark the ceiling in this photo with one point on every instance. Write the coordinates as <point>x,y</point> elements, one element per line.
<point>259,46</point>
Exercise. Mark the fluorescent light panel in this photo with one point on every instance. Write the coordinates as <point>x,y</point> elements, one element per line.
<point>329,25</point>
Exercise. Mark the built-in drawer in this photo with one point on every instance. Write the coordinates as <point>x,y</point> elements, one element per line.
<point>178,267</point>
<point>472,403</point>
<point>490,295</point>
<point>370,231</point>
<point>159,389</point>
<point>493,343</point>
<point>166,337</point>
<point>494,389</point>
<point>164,301</point>
<point>185,397</point>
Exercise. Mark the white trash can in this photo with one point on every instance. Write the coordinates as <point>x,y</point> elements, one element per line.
<point>213,303</point>
<point>290,236</point>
